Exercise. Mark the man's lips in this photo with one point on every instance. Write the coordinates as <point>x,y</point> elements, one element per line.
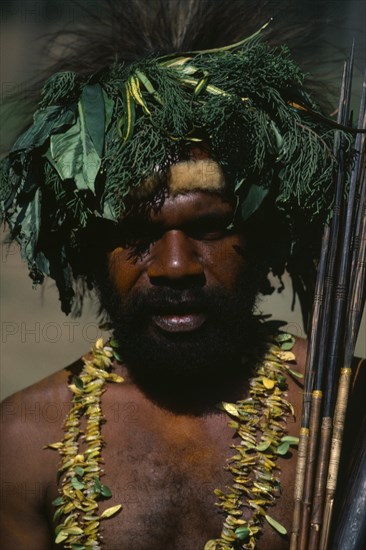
<point>179,322</point>
<point>180,315</point>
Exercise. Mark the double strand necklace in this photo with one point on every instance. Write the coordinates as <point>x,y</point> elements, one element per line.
<point>260,434</point>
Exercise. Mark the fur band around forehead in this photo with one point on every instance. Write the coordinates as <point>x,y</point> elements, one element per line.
<point>196,175</point>
<point>190,175</point>
<point>96,139</point>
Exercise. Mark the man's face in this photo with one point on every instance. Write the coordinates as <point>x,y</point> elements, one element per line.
<point>182,306</point>
<point>186,245</point>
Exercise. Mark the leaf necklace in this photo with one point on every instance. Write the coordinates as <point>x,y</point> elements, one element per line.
<point>259,424</point>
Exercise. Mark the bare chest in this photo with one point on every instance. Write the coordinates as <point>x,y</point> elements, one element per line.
<point>166,484</point>
<point>164,472</point>
<point>167,491</point>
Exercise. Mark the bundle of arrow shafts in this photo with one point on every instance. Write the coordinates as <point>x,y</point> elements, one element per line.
<point>337,311</point>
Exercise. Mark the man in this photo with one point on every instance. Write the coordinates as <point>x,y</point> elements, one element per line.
<point>157,182</point>
<point>169,451</point>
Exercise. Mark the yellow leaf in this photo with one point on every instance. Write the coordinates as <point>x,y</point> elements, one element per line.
<point>230,408</point>
<point>99,343</point>
<point>72,531</point>
<point>54,446</point>
<point>268,383</point>
<point>79,458</point>
<point>111,511</point>
<point>210,545</point>
<point>286,355</point>
<point>68,507</point>
<point>93,526</point>
<point>115,378</point>
<point>61,537</point>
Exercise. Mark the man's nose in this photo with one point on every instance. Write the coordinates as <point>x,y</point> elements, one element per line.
<point>175,260</point>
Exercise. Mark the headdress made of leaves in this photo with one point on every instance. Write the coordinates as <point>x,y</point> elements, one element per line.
<point>95,138</point>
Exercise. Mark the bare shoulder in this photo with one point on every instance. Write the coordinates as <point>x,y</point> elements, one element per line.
<point>30,419</point>
<point>41,405</point>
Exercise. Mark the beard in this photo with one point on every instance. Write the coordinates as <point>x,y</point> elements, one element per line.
<point>195,369</point>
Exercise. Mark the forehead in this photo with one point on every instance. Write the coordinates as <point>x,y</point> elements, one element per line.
<point>190,189</point>
<point>185,207</point>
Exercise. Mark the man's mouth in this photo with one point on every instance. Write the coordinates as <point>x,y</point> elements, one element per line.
<point>179,322</point>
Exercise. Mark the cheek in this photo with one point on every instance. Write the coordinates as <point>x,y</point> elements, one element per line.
<point>224,261</point>
<point>123,270</point>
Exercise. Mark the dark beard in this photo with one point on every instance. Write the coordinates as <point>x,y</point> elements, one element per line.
<point>189,371</point>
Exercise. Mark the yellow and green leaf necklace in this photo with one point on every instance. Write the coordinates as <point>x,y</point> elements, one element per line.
<point>260,429</point>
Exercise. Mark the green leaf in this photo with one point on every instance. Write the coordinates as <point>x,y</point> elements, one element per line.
<point>93,106</point>
<point>283,448</point>
<point>46,121</point>
<point>117,356</point>
<point>91,160</point>
<point>79,471</point>
<point>263,446</point>
<point>280,528</point>
<point>114,343</point>
<point>297,374</point>
<point>287,346</point>
<point>58,501</point>
<point>31,226</point>
<point>105,491</point>
<point>73,155</point>
<point>149,87</point>
<point>108,110</point>
<point>284,337</point>
<point>242,533</point>
<point>292,440</point>
<point>277,137</point>
<point>56,516</point>
<point>238,185</point>
<point>76,483</point>
<point>78,547</point>
<point>255,196</point>
<point>281,380</point>
<point>97,485</point>
<point>78,382</point>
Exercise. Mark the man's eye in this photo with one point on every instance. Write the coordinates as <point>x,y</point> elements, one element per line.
<point>138,243</point>
<point>209,231</point>
<point>138,235</point>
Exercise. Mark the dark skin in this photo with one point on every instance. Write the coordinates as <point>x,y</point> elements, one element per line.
<point>163,467</point>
